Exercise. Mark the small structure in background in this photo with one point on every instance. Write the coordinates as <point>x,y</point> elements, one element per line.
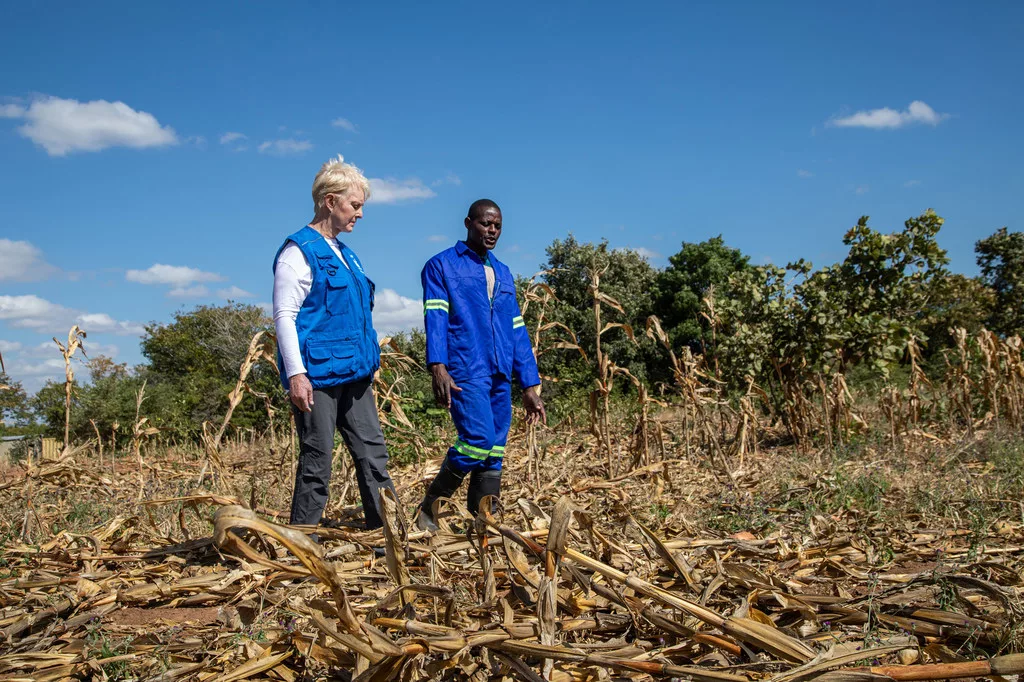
<point>16,448</point>
<point>8,446</point>
<point>50,448</point>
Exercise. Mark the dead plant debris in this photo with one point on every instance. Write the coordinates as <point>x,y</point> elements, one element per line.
<point>572,579</point>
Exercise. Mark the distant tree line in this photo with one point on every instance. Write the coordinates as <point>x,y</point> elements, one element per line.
<point>760,324</point>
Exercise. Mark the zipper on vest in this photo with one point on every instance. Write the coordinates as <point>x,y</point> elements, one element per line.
<point>363,305</point>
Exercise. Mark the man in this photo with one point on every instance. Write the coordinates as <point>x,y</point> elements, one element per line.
<point>476,342</point>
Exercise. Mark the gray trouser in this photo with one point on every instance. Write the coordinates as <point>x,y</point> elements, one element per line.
<point>352,409</point>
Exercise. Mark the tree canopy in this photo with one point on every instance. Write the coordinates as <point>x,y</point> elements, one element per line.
<point>1001,259</point>
<point>693,273</point>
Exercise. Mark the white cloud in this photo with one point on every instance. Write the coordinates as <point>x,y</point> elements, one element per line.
<point>234,293</point>
<point>173,275</point>
<point>9,346</point>
<point>393,312</point>
<point>33,366</point>
<point>801,173</point>
<point>646,253</point>
<point>22,262</point>
<point>100,323</point>
<point>32,312</point>
<point>49,368</point>
<point>109,350</point>
<point>862,189</point>
<point>61,126</point>
<point>285,147</point>
<point>911,183</point>
<point>184,282</point>
<point>917,112</point>
<point>450,179</point>
<point>393,191</point>
<point>436,238</point>
<point>197,291</point>
<point>236,140</point>
<point>345,124</point>
<point>12,111</point>
<point>40,350</point>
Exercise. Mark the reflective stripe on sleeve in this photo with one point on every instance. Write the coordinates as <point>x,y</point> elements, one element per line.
<point>435,304</point>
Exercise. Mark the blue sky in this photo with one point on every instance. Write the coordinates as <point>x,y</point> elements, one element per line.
<point>774,124</point>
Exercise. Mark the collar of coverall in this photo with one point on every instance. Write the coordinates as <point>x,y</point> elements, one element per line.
<point>462,248</point>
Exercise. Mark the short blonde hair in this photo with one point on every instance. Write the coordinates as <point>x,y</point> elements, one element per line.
<point>337,177</point>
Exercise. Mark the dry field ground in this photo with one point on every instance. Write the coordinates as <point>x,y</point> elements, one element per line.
<point>855,562</point>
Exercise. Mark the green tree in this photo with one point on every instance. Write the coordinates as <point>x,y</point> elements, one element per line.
<point>955,301</point>
<point>15,413</point>
<point>761,332</point>
<point>866,307</point>
<point>48,406</point>
<point>108,399</point>
<point>681,287</point>
<point>1001,259</point>
<point>198,354</point>
<point>862,310</point>
<point>628,278</point>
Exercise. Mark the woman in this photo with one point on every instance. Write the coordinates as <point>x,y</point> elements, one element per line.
<point>327,348</point>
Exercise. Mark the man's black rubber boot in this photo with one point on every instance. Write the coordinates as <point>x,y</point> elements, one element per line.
<point>444,484</point>
<point>481,484</point>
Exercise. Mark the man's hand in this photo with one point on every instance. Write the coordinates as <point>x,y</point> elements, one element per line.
<point>535,412</point>
<point>301,392</point>
<point>443,385</point>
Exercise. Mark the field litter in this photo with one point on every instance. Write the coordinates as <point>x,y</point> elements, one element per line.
<point>564,581</point>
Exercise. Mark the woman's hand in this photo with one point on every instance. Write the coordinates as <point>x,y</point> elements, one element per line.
<point>535,412</point>
<point>443,385</point>
<point>301,392</point>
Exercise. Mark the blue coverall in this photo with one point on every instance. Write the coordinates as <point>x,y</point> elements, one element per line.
<point>483,342</point>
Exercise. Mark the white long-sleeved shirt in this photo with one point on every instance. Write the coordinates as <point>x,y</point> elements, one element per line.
<point>293,280</point>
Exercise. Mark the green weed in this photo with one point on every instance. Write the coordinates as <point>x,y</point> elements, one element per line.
<point>99,647</point>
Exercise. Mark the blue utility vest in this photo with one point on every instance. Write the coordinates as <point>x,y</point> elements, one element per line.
<point>335,327</point>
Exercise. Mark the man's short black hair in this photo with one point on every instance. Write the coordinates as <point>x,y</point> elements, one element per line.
<point>481,205</point>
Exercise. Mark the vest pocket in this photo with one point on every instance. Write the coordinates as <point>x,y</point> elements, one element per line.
<point>318,356</point>
<point>337,296</point>
<point>333,359</point>
<point>344,352</point>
